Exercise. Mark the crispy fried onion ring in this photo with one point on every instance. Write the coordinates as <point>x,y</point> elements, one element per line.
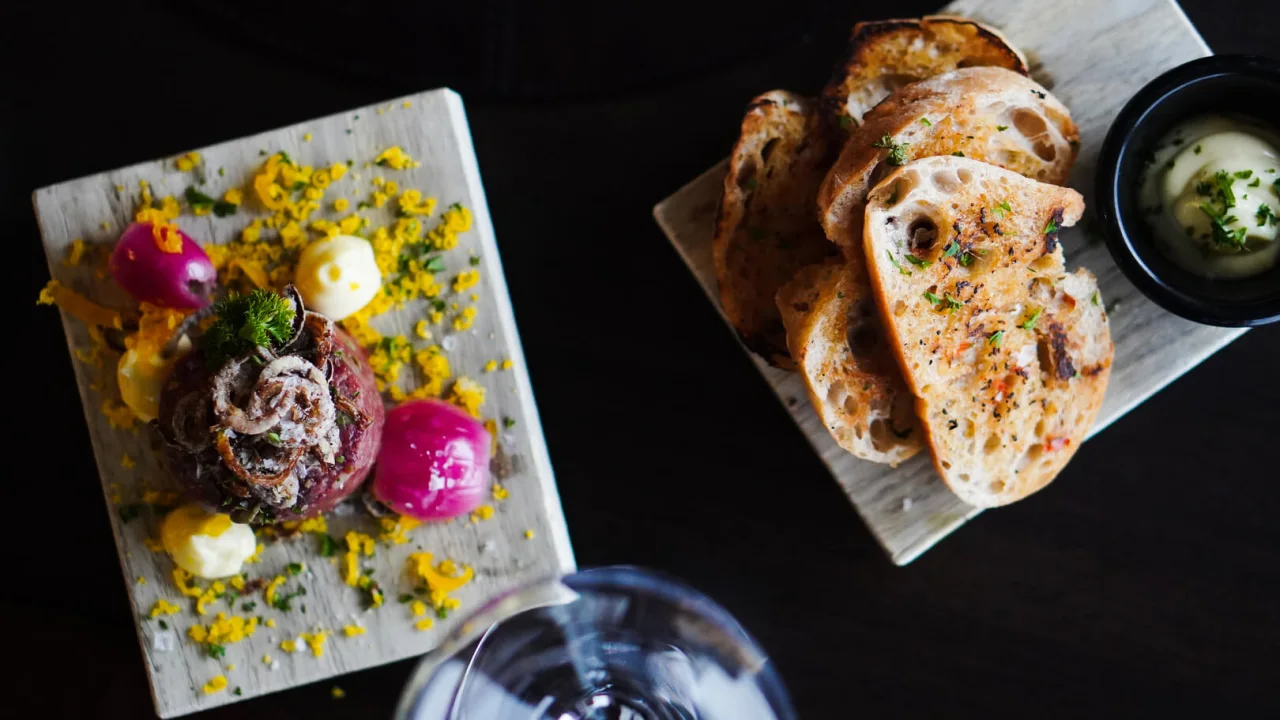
<point>268,419</point>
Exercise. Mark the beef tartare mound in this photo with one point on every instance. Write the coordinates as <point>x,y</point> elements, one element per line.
<point>275,416</point>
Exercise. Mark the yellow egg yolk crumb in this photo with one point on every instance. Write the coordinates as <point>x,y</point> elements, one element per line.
<point>337,693</point>
<point>353,630</point>
<point>425,624</point>
<point>464,320</point>
<point>315,641</point>
<point>468,395</point>
<point>163,607</point>
<point>500,492</point>
<point>484,512</point>
<point>272,587</point>
<point>256,557</point>
<point>466,279</point>
<point>127,462</point>
<point>394,158</point>
<point>491,366</point>
<point>395,531</point>
<point>216,684</point>
<point>224,630</point>
<point>506,364</point>
<point>289,646</point>
<point>418,608</point>
<point>235,196</point>
<point>76,252</point>
<point>187,161</point>
<point>528,534</point>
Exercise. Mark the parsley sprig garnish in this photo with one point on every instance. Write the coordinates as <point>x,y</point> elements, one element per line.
<point>199,201</point>
<point>897,151</point>
<point>245,322</point>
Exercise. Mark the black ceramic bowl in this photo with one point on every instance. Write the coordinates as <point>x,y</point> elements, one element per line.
<point>1235,85</point>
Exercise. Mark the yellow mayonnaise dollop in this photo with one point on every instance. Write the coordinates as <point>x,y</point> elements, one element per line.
<point>338,276</point>
<point>207,545</point>
<point>141,374</point>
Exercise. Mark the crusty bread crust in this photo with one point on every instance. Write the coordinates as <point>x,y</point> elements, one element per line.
<point>766,230</point>
<point>984,113</point>
<point>885,55</point>
<point>835,338</point>
<point>1008,356</point>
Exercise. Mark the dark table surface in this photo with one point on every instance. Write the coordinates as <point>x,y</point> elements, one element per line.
<point>1146,580</point>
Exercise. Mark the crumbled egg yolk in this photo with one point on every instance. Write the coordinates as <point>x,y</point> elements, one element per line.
<point>353,630</point>
<point>500,492</point>
<point>207,545</point>
<point>187,161</point>
<point>338,276</point>
<point>425,624</point>
<point>289,646</point>
<point>464,320</point>
<point>337,693</point>
<point>217,684</point>
<point>272,587</point>
<point>224,630</point>
<point>395,158</point>
<point>127,462</point>
<point>528,534</point>
<point>507,364</point>
<point>491,366</point>
<point>163,607</point>
<point>441,579</point>
<point>468,395</point>
<point>315,641</point>
<point>235,196</point>
<point>78,306</point>
<point>466,280</point>
<point>395,531</point>
<point>76,252</point>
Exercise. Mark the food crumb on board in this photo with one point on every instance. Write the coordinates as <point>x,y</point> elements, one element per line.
<point>216,684</point>
<point>528,534</point>
<point>338,693</point>
<point>906,504</point>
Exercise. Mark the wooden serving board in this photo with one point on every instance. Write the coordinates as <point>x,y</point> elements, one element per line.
<point>432,128</point>
<point>1094,55</point>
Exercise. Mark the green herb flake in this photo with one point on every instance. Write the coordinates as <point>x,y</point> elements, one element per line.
<point>1002,209</point>
<point>274,438</point>
<point>434,264</point>
<point>245,322</point>
<point>925,122</point>
<point>1244,174</point>
<point>1094,298</point>
<point>1224,181</point>
<point>328,546</point>
<point>896,264</point>
<point>164,625</point>
<point>131,511</point>
<point>1030,322</point>
<point>1256,182</point>
<point>442,613</point>
<point>1197,150</point>
<point>1051,227</point>
<point>897,151</point>
<point>474,261</point>
<point>951,303</point>
<point>958,153</point>
<point>1265,215</point>
<point>248,606</point>
<point>1001,128</point>
<point>237,692</point>
<point>405,598</point>
<point>217,651</point>
<point>294,568</point>
<point>508,422</point>
<point>933,299</point>
<point>996,338</point>
<point>221,172</point>
<point>952,248</point>
<point>911,258</point>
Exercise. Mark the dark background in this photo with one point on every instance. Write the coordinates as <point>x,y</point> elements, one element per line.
<point>1146,580</point>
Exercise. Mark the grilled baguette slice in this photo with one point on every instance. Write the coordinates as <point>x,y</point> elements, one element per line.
<point>766,229</point>
<point>885,55</point>
<point>1008,356</point>
<point>985,113</point>
<point>835,338</point>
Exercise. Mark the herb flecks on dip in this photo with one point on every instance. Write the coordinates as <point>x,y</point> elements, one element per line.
<point>276,415</point>
<point>1211,193</point>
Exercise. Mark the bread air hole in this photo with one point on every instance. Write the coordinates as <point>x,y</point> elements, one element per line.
<point>1033,127</point>
<point>881,438</point>
<point>947,181</point>
<point>747,176</point>
<point>996,486</point>
<point>1032,455</point>
<point>992,444</point>
<point>922,233</point>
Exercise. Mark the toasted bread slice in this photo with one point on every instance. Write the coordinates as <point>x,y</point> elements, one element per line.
<point>887,54</point>
<point>985,113</point>
<point>835,338</point>
<point>1007,356</point>
<point>766,229</point>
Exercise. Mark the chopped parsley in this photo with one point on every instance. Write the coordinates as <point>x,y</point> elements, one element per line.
<point>1265,215</point>
<point>1198,149</point>
<point>1222,234</point>
<point>221,172</point>
<point>952,248</point>
<point>328,546</point>
<point>1030,322</point>
<point>933,299</point>
<point>996,338</point>
<point>1256,182</point>
<point>164,625</point>
<point>1051,227</point>
<point>274,438</point>
<point>474,260</point>
<point>917,261</point>
<point>294,568</point>
<point>1001,128</point>
<point>199,201</point>
<point>896,264</point>
<point>248,606</point>
<point>1223,181</point>
<point>434,264</point>
<point>439,305</point>
<point>405,598</point>
<point>217,651</point>
<point>362,205</point>
<point>508,422</point>
<point>285,602</point>
<point>952,303</point>
<point>1002,209</point>
<point>237,692</point>
<point>897,151</point>
<point>442,613</point>
<point>1094,298</point>
<point>925,122</point>
<point>1244,174</point>
<point>958,153</point>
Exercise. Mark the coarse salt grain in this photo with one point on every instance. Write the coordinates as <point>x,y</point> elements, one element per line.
<point>906,504</point>
<point>164,641</point>
<point>449,343</point>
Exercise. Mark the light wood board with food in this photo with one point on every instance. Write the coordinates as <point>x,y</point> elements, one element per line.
<point>939,312</point>
<point>321,595</point>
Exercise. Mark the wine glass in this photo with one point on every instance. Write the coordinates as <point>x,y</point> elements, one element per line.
<point>613,643</point>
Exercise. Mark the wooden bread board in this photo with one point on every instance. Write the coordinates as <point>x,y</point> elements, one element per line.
<point>1093,55</point>
<point>432,128</point>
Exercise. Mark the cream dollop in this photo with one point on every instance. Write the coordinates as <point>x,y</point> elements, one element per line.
<point>207,545</point>
<point>338,276</point>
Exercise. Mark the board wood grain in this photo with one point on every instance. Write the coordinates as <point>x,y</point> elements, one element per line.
<point>432,128</point>
<point>1093,55</point>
